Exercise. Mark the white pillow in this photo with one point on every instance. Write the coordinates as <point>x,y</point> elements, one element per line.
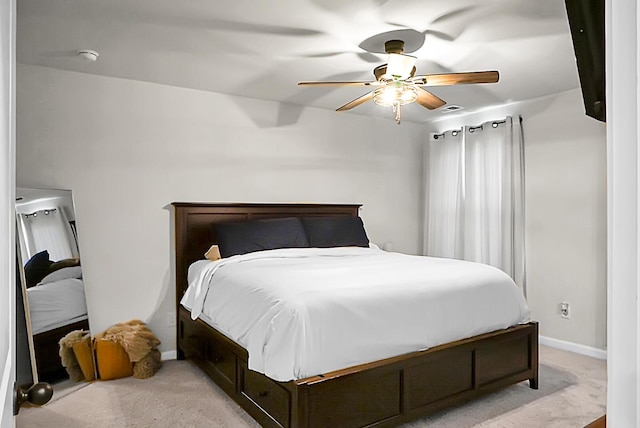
<point>64,273</point>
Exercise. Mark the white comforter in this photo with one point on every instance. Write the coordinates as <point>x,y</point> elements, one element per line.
<point>301,312</point>
<point>55,304</point>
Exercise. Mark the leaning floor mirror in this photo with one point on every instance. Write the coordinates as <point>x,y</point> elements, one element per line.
<point>50,279</point>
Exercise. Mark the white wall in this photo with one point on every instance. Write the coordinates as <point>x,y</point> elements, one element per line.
<point>127,149</point>
<point>7,219</point>
<point>566,218</point>
<point>623,136</point>
<point>565,225</point>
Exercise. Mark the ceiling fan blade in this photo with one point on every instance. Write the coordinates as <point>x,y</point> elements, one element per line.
<point>355,103</point>
<point>320,83</point>
<point>457,78</point>
<point>429,100</point>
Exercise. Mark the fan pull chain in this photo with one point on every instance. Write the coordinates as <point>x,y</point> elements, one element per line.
<point>396,110</point>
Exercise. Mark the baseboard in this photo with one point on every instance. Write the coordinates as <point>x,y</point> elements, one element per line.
<point>588,351</point>
<point>169,355</point>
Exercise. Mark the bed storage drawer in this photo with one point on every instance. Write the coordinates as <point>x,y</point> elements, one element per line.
<point>220,359</point>
<point>439,377</point>
<point>502,358</point>
<point>211,355</point>
<point>268,395</point>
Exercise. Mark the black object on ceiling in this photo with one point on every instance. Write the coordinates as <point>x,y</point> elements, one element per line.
<point>586,20</point>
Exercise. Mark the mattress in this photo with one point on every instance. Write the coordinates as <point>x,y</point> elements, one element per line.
<point>306,311</point>
<point>55,304</point>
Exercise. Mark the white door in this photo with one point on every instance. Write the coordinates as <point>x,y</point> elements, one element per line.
<point>7,220</point>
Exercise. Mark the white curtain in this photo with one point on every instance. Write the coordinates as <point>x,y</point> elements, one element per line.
<point>475,196</point>
<point>445,192</point>
<point>46,230</point>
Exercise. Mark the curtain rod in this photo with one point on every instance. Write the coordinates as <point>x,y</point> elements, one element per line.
<point>471,129</point>
<point>45,211</point>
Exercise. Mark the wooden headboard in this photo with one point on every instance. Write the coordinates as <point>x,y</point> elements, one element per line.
<point>193,233</point>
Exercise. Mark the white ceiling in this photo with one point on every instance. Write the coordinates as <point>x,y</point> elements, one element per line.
<point>261,49</point>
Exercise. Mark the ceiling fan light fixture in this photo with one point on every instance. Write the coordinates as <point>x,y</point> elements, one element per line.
<point>395,93</point>
<point>400,66</point>
<point>396,83</point>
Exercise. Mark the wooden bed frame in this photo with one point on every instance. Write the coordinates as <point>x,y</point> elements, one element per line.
<point>46,347</point>
<point>383,393</point>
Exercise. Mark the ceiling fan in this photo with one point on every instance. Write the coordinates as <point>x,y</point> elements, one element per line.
<point>396,83</point>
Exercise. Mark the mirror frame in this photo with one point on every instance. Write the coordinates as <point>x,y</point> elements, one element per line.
<point>22,304</point>
<point>21,277</point>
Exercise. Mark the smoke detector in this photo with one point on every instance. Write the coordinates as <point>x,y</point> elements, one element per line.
<point>88,55</point>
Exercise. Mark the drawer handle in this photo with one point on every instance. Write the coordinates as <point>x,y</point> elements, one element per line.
<point>213,359</point>
<point>263,393</point>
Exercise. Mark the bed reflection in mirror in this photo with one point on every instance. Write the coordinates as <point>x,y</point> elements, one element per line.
<point>51,274</point>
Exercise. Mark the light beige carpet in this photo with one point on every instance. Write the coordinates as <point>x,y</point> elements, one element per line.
<point>572,393</point>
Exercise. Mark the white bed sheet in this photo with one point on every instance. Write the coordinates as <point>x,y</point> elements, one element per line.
<point>60,323</point>
<point>303,312</point>
<point>55,304</point>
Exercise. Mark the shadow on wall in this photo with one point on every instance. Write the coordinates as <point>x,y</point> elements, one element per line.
<point>164,312</point>
<point>289,111</point>
<point>265,116</point>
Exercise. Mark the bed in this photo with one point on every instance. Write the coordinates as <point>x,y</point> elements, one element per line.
<point>57,306</point>
<point>46,348</point>
<point>384,392</point>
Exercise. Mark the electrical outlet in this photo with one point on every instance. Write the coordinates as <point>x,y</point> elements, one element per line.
<point>171,319</point>
<point>564,310</point>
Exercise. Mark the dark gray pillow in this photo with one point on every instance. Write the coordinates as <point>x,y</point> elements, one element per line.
<point>37,268</point>
<point>257,235</point>
<point>342,231</point>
